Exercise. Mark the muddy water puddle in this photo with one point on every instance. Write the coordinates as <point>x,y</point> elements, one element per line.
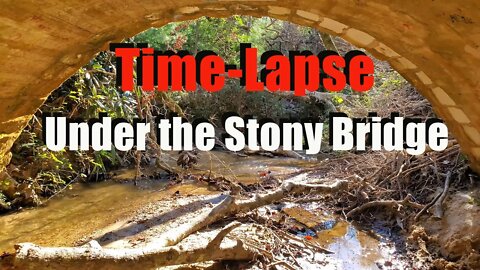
<point>355,249</point>
<point>351,247</point>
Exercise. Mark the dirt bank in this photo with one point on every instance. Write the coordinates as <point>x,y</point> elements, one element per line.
<point>457,234</point>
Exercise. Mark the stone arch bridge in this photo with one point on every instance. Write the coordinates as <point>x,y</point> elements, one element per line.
<point>433,44</point>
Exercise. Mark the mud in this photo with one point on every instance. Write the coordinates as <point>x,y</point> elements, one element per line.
<point>457,234</point>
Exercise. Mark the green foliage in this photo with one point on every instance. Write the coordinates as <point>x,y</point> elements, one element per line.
<point>4,184</point>
<point>337,99</point>
<point>92,90</point>
<point>233,98</point>
<point>389,81</point>
<point>223,36</point>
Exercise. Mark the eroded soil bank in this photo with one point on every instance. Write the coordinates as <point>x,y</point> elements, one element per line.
<point>457,234</point>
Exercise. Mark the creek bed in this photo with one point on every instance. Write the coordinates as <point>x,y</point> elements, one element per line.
<point>89,208</point>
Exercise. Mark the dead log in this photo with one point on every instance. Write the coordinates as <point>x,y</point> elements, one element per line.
<point>30,256</point>
<point>230,206</point>
<point>288,188</point>
<point>154,255</point>
<point>93,257</point>
<point>389,204</point>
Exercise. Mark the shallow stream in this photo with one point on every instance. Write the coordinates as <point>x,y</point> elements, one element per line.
<point>86,208</point>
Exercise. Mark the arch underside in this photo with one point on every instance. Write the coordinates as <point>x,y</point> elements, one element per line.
<point>435,45</point>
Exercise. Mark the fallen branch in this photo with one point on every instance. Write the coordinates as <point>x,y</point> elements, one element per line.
<point>30,256</point>
<point>431,203</point>
<point>396,205</point>
<point>174,237</point>
<point>438,206</point>
<point>282,263</point>
<point>93,257</point>
<point>424,209</point>
<point>286,189</point>
<point>219,238</point>
<point>229,207</point>
<point>306,243</point>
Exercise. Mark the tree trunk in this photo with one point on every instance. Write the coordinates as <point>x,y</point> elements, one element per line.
<point>93,257</point>
<point>154,255</point>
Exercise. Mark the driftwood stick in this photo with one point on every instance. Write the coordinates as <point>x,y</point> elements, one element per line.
<point>424,209</point>
<point>173,237</point>
<point>396,205</point>
<point>286,189</point>
<point>219,238</point>
<point>438,206</point>
<point>230,207</point>
<point>282,263</point>
<point>30,256</point>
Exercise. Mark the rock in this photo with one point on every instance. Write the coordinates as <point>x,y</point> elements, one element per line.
<point>187,159</point>
<point>4,206</point>
<point>28,195</point>
<point>8,186</point>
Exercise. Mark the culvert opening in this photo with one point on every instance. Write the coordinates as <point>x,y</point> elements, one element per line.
<point>386,190</point>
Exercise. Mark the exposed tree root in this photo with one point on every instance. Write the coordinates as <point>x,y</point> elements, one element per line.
<point>30,256</point>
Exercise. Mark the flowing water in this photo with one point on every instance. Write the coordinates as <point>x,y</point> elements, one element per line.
<point>87,208</point>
